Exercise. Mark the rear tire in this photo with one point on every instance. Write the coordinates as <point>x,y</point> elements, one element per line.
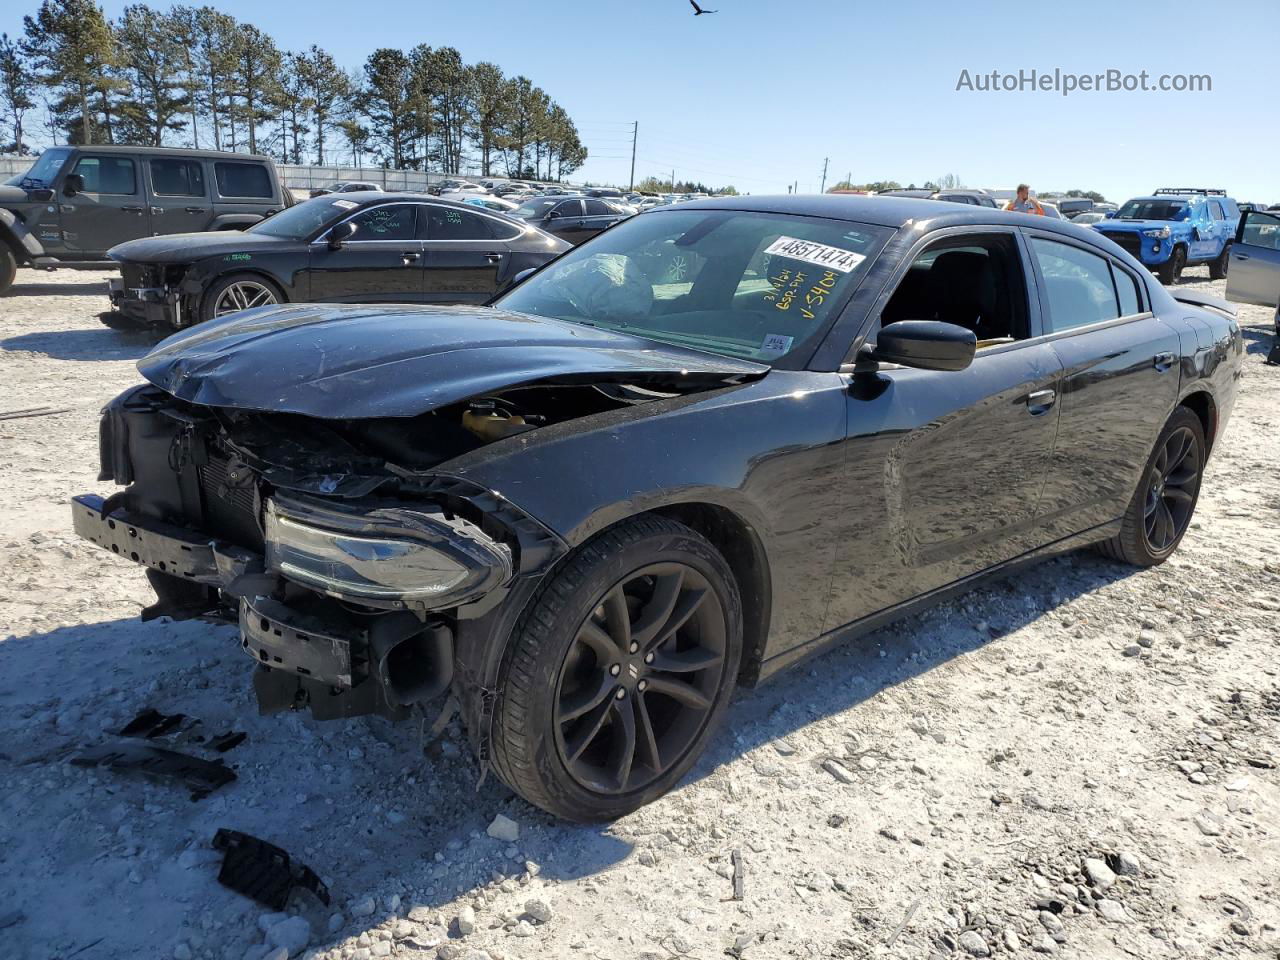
<point>1170,272</point>
<point>247,290</point>
<point>1218,268</point>
<point>1164,503</point>
<point>619,672</point>
<point>8,268</point>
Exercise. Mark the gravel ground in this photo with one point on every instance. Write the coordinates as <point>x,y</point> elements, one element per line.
<point>1078,762</point>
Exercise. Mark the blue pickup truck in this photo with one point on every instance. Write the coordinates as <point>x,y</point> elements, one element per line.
<point>1176,227</point>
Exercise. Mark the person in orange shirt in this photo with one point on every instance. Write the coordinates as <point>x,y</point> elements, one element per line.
<point>1025,203</point>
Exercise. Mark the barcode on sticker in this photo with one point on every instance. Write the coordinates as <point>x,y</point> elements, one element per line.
<point>819,254</point>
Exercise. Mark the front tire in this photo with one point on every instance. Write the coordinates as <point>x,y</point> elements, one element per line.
<point>240,291</point>
<point>619,672</point>
<point>1218,267</point>
<point>8,268</point>
<point>1170,272</point>
<point>1162,507</point>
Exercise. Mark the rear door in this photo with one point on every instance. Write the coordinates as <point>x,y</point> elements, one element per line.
<point>1120,381</point>
<point>111,209</point>
<point>381,263</point>
<point>180,201</point>
<point>1254,276</point>
<point>466,252</point>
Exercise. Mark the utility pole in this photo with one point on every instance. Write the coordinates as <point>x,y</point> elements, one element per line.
<point>635,132</point>
<point>823,188</point>
<point>673,179</point>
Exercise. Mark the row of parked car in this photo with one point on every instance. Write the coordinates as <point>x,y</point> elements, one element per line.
<point>199,234</point>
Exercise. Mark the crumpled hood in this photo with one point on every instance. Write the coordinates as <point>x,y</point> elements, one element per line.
<point>355,362</point>
<point>187,247</point>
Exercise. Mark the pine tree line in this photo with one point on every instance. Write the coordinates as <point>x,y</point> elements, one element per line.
<point>193,76</point>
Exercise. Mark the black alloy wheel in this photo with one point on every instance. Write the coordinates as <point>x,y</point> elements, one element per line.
<point>1173,481</point>
<point>618,672</point>
<point>1170,271</point>
<point>1218,268</point>
<point>1160,512</point>
<point>638,684</point>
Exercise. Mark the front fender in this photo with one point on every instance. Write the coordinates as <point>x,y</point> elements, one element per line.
<point>21,240</point>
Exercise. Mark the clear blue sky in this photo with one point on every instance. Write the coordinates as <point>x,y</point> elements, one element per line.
<point>759,93</point>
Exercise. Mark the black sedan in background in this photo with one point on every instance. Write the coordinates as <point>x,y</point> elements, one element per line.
<point>594,508</point>
<point>355,248</point>
<point>574,219</point>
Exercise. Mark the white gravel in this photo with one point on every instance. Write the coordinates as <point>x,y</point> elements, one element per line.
<point>925,792</point>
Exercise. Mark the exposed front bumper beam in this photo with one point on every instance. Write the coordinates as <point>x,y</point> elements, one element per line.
<point>160,546</point>
<point>154,306</point>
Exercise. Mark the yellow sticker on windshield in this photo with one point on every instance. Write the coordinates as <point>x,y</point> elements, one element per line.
<point>833,258</point>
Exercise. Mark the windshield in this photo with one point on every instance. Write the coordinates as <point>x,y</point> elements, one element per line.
<point>46,167</point>
<point>1153,210</point>
<point>759,286</point>
<point>534,210</point>
<point>302,220</point>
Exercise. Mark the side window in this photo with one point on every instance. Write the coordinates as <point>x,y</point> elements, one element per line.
<point>389,222</point>
<point>1127,291</point>
<point>242,180</point>
<point>570,208</point>
<point>1078,288</point>
<point>1215,210</point>
<point>450,223</point>
<point>974,281</point>
<point>1261,229</point>
<point>107,175</point>
<point>597,208</point>
<point>177,178</point>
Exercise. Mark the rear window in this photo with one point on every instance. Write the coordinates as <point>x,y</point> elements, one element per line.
<point>449,223</point>
<point>107,175</point>
<point>243,180</point>
<point>171,177</point>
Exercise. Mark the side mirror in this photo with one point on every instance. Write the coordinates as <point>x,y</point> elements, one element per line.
<point>1109,214</point>
<point>926,344</point>
<point>340,234</point>
<point>553,215</point>
<point>73,184</point>
<point>523,275</point>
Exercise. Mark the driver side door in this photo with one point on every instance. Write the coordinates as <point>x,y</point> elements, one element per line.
<point>1254,276</point>
<point>381,263</point>
<point>946,468</point>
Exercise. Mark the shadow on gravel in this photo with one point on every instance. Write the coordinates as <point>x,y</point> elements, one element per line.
<point>1258,340</point>
<point>358,801</point>
<point>84,344</point>
<point>98,287</point>
<point>848,675</point>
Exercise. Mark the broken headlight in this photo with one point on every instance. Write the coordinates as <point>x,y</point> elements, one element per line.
<point>388,554</point>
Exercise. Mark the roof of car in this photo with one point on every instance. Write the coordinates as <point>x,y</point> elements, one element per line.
<point>882,211</point>
<point>171,151</point>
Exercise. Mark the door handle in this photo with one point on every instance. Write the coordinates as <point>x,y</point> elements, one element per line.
<point>1163,361</point>
<point>195,210</point>
<point>132,209</point>
<point>409,258</point>
<point>157,211</point>
<point>1040,401</point>
<point>494,257</point>
<point>1241,256</point>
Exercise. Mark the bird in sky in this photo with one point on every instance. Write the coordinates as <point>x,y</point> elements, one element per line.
<point>697,10</point>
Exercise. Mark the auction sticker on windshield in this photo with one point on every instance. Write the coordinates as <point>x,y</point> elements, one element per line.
<point>833,258</point>
<point>346,204</point>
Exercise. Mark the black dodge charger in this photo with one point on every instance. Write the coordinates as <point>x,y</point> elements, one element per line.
<point>369,247</point>
<point>594,508</point>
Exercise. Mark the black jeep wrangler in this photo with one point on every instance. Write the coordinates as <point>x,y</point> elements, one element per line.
<point>76,202</point>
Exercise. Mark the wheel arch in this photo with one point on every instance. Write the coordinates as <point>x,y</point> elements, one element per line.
<point>744,551</point>
<point>1200,402</point>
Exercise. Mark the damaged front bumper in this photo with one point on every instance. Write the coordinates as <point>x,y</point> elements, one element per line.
<point>155,306</point>
<point>344,608</point>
